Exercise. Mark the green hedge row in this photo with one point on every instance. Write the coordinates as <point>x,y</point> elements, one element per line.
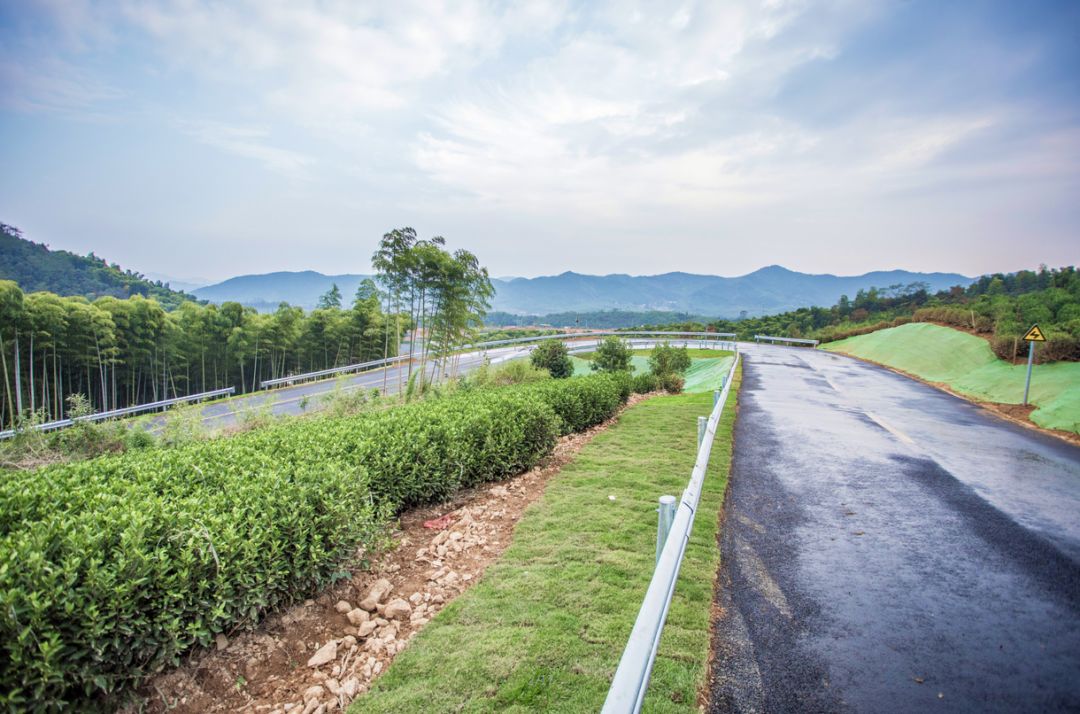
<point>111,568</point>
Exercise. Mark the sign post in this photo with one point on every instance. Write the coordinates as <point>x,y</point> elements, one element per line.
<point>1033,335</point>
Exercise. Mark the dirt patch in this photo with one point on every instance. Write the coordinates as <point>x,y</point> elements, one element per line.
<point>316,657</point>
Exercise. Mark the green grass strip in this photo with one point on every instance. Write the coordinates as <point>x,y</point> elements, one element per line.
<point>967,365</point>
<point>545,627</point>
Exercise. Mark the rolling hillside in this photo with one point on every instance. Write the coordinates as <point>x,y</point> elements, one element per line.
<point>36,268</point>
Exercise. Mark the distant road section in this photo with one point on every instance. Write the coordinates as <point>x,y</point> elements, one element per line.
<point>891,548</point>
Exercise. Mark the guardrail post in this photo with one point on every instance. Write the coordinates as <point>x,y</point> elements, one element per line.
<point>663,524</point>
<point>716,393</point>
<point>702,424</point>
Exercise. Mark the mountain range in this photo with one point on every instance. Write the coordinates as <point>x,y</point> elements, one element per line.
<point>768,290</point>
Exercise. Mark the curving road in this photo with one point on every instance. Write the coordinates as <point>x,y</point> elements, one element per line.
<point>891,548</point>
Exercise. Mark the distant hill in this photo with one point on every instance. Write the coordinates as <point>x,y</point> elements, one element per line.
<point>265,292</point>
<point>34,267</point>
<point>766,291</point>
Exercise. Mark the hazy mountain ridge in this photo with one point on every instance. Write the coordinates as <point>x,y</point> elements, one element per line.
<point>768,290</point>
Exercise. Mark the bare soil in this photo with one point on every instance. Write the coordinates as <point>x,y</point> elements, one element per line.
<point>438,552</point>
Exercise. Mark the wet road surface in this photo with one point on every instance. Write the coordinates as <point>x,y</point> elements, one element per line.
<point>891,548</point>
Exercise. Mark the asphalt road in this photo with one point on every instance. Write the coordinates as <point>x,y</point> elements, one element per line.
<point>891,548</point>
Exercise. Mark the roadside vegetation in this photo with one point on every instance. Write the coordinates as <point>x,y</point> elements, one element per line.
<point>999,307</point>
<point>965,364</point>
<point>111,568</point>
<point>545,627</point>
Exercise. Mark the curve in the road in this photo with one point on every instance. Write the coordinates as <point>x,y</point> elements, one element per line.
<point>892,548</point>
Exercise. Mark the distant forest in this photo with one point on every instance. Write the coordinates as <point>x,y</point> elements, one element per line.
<point>36,268</point>
<point>1000,307</point>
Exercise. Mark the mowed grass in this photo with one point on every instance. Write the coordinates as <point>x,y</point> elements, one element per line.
<point>967,365</point>
<point>706,367</point>
<point>545,627</point>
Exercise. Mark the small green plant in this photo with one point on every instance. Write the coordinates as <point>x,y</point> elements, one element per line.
<point>553,356</point>
<point>666,359</point>
<point>613,355</point>
<point>183,424</point>
<point>256,417</point>
<point>645,383</point>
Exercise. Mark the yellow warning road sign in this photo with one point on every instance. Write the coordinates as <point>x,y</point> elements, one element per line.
<point>1035,335</point>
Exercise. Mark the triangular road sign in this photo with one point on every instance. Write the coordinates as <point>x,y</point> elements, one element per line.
<point>1034,335</point>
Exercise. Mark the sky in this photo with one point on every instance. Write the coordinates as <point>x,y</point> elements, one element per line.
<point>201,140</point>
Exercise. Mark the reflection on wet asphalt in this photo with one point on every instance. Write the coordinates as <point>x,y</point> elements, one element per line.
<point>891,548</point>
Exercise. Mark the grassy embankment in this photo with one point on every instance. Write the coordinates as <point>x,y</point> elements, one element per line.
<point>965,364</point>
<point>706,367</point>
<point>545,627</point>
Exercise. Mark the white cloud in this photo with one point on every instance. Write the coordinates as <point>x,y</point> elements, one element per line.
<point>251,143</point>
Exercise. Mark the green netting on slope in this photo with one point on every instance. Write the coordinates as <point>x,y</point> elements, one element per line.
<point>966,364</point>
<point>705,373</point>
<point>703,376</point>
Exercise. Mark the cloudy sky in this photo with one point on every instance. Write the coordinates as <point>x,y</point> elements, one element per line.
<point>208,139</point>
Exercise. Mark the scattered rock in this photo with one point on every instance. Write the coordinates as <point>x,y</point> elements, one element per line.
<point>376,594</point>
<point>366,629</point>
<point>326,653</point>
<point>397,610</point>
<point>350,687</point>
<point>221,641</point>
<point>343,607</point>
<point>333,685</point>
<point>348,641</point>
<point>314,693</point>
<point>416,598</point>
<point>358,616</point>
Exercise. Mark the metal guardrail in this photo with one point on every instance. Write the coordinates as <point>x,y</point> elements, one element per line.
<point>331,371</point>
<point>631,679</point>
<point>794,340</point>
<point>126,411</point>
<point>586,335</point>
<point>483,346</point>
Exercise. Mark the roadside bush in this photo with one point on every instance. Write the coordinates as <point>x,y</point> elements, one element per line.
<point>553,356</point>
<point>666,359</point>
<point>644,383</point>
<point>613,355</point>
<point>110,569</point>
<point>585,402</point>
<point>672,383</point>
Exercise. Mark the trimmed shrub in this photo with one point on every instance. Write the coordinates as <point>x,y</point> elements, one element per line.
<point>644,383</point>
<point>553,356</point>
<point>612,355</point>
<point>110,569</point>
<point>672,383</point>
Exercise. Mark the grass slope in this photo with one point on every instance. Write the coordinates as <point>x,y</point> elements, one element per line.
<point>706,367</point>
<point>545,627</point>
<point>967,365</point>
